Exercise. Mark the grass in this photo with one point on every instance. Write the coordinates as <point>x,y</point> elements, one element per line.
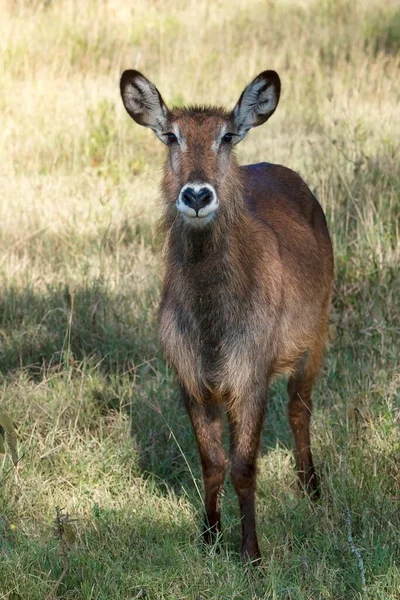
<point>101,431</point>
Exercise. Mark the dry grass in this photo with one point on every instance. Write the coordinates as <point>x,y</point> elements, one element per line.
<point>80,370</point>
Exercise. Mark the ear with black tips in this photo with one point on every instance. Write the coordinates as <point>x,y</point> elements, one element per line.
<point>257,103</point>
<point>143,102</point>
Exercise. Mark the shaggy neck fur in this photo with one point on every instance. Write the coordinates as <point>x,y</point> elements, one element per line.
<point>189,246</point>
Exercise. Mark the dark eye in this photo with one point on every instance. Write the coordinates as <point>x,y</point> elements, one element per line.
<point>171,137</point>
<point>227,138</point>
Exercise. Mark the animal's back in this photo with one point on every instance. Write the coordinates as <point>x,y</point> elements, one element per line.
<point>280,198</point>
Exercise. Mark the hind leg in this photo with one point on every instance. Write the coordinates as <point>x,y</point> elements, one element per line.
<point>300,408</point>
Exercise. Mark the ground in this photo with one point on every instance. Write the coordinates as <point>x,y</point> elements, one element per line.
<point>101,432</point>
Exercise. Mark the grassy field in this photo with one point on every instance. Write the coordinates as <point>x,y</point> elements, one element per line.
<point>101,432</point>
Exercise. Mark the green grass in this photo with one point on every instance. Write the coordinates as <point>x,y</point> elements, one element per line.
<point>101,430</point>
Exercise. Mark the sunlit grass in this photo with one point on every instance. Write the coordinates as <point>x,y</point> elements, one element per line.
<point>81,374</point>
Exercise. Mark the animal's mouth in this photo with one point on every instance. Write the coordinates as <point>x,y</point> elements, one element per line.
<point>198,220</point>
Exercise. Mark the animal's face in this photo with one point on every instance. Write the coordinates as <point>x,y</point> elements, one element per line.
<point>200,146</point>
<point>200,140</point>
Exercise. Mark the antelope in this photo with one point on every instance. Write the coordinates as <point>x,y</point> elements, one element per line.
<point>246,289</point>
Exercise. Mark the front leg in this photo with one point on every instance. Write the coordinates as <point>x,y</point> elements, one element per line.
<point>246,418</point>
<point>207,425</point>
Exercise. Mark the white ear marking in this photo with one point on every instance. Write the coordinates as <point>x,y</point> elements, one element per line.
<point>257,102</point>
<point>143,101</point>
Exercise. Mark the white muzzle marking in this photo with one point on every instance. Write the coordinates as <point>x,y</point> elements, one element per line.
<point>205,214</point>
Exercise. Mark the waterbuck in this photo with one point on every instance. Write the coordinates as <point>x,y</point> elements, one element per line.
<point>247,285</point>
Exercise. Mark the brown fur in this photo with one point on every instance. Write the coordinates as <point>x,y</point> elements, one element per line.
<point>244,298</point>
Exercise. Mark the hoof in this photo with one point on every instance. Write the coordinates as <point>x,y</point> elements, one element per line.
<point>212,534</point>
<point>251,555</point>
<point>310,485</point>
<point>314,493</point>
<point>313,488</point>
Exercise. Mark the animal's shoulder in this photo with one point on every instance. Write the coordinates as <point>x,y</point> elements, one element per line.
<point>278,194</point>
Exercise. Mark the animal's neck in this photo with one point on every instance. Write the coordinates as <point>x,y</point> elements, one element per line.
<point>216,260</point>
<point>200,246</point>
<point>210,245</point>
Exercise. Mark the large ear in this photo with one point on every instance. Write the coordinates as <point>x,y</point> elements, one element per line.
<point>257,103</point>
<point>143,102</point>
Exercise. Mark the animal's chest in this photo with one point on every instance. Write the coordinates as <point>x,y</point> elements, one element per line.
<point>207,319</point>
<point>216,320</point>
<point>210,336</point>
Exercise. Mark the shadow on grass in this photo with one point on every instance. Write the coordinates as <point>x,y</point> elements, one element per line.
<point>62,324</point>
<point>112,338</point>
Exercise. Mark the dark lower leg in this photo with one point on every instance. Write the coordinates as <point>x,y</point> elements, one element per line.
<point>300,408</point>
<point>207,425</point>
<point>213,477</point>
<point>243,476</point>
<point>246,424</point>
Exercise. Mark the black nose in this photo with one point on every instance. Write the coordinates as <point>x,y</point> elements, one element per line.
<point>197,199</point>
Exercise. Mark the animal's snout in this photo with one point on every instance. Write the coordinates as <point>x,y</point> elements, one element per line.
<point>197,199</point>
<point>197,202</point>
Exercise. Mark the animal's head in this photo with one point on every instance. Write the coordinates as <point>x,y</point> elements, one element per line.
<point>200,140</point>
